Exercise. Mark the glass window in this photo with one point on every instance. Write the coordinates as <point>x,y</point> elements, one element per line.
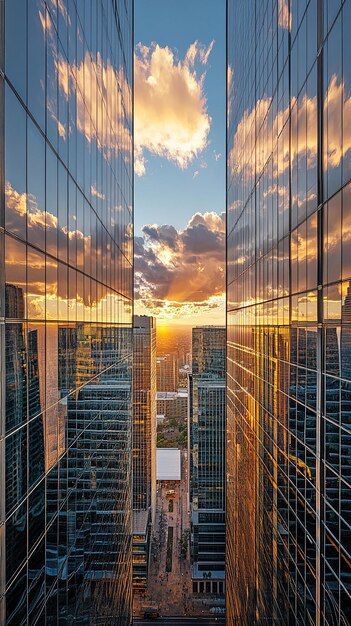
<point>15,278</point>
<point>36,21</point>
<point>36,186</point>
<point>15,165</point>
<point>16,44</point>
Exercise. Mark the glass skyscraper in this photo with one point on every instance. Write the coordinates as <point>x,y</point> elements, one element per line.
<point>288,320</point>
<point>66,272</point>
<point>144,413</point>
<point>144,444</point>
<point>206,388</point>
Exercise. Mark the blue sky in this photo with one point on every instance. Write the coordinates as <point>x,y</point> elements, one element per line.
<point>167,194</point>
<point>180,130</point>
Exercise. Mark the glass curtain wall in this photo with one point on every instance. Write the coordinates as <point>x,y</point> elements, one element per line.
<point>66,227</point>
<point>289,324</point>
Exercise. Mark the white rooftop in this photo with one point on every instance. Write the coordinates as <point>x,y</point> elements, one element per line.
<point>168,464</point>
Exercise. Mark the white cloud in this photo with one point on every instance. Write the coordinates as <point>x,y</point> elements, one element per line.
<point>171,117</point>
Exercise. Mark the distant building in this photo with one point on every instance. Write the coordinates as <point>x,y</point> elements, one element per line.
<point>173,404</point>
<point>144,413</point>
<point>141,549</point>
<point>207,460</point>
<point>144,444</point>
<point>168,464</point>
<point>167,372</point>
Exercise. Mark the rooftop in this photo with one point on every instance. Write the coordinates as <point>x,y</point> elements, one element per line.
<point>168,465</point>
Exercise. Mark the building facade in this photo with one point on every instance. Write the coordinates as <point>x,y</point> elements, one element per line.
<point>66,285</point>
<point>206,427</point>
<point>144,413</point>
<point>144,444</point>
<point>288,319</point>
<point>173,404</point>
<point>167,372</point>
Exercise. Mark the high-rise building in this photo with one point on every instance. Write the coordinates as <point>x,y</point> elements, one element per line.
<point>66,284</point>
<point>144,413</point>
<point>144,443</point>
<point>167,372</point>
<point>206,443</point>
<point>288,321</point>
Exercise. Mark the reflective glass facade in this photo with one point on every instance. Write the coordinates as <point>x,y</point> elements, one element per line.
<point>207,458</point>
<point>144,413</point>
<point>289,323</point>
<point>66,227</point>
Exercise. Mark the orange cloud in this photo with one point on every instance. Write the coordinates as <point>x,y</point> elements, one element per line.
<point>240,159</point>
<point>171,118</point>
<point>47,296</point>
<point>181,272</point>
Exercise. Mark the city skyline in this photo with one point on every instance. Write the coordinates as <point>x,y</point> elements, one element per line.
<point>175,312</point>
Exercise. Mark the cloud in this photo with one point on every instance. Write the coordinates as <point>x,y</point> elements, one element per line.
<point>181,271</point>
<point>51,291</point>
<point>101,95</point>
<point>171,118</point>
<point>284,18</point>
<point>97,193</point>
<point>242,164</point>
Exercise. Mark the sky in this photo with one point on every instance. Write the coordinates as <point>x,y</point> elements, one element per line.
<point>180,160</point>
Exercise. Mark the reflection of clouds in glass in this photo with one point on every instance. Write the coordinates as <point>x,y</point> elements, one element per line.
<point>95,192</point>
<point>101,92</point>
<point>304,114</point>
<point>230,81</point>
<point>284,17</point>
<point>171,118</point>
<point>44,294</point>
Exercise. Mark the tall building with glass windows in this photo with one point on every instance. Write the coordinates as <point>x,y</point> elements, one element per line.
<point>66,272</point>
<point>288,320</point>
<point>144,413</point>
<point>144,444</point>
<point>206,427</point>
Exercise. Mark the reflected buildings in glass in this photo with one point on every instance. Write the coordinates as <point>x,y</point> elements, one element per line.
<point>289,322</point>
<point>206,427</point>
<point>66,178</point>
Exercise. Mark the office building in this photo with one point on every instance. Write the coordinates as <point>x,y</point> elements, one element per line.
<point>141,549</point>
<point>66,285</point>
<point>206,427</point>
<point>144,444</point>
<point>144,413</point>
<point>167,372</point>
<point>173,404</point>
<point>288,297</point>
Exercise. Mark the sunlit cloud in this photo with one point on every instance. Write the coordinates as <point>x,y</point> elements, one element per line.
<point>171,118</point>
<point>240,159</point>
<point>92,81</point>
<point>181,272</point>
<point>95,192</point>
<point>45,295</point>
<point>284,17</point>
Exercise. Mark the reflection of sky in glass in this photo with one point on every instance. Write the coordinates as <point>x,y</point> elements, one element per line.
<point>289,155</point>
<point>68,288</point>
